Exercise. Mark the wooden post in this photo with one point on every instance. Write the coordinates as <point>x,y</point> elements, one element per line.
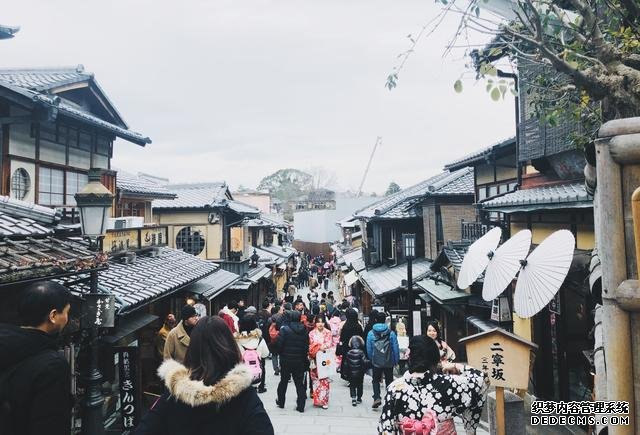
<point>500,429</point>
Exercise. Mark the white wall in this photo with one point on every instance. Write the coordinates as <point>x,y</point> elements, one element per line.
<point>319,226</point>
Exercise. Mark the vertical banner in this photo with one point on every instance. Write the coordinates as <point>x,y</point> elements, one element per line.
<point>127,368</point>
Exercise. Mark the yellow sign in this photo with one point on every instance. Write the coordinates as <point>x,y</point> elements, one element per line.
<point>120,240</point>
<point>237,239</point>
<point>133,238</point>
<point>504,356</point>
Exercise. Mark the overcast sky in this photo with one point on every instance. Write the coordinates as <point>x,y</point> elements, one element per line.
<point>236,89</point>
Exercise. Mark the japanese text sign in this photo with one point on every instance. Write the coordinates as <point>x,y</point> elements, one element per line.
<point>127,368</point>
<point>504,356</point>
<point>98,310</point>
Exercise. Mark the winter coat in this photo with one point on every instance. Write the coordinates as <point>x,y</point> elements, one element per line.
<point>230,319</point>
<point>348,330</point>
<point>379,330</point>
<point>293,345</point>
<point>175,347</point>
<point>38,390</point>
<point>355,360</point>
<point>188,407</point>
<point>252,340</point>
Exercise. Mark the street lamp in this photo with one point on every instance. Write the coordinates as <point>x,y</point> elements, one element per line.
<point>409,244</point>
<point>94,202</point>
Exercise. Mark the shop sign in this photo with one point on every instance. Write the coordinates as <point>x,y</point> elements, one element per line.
<point>98,310</point>
<point>153,236</point>
<point>121,240</point>
<point>503,356</point>
<point>127,368</point>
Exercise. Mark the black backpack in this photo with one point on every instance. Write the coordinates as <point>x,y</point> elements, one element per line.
<point>382,356</point>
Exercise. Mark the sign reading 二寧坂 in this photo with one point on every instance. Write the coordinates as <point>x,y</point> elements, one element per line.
<point>504,356</point>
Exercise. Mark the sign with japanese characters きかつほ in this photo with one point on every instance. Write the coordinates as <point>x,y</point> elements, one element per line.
<point>127,370</point>
<point>504,356</point>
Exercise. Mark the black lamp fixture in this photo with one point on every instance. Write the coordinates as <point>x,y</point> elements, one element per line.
<point>409,245</point>
<point>254,258</point>
<point>94,201</point>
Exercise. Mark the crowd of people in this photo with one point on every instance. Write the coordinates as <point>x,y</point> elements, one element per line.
<point>214,367</point>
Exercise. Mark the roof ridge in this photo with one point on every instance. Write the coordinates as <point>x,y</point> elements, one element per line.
<point>78,69</point>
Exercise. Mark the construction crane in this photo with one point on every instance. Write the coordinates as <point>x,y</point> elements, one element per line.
<point>366,171</point>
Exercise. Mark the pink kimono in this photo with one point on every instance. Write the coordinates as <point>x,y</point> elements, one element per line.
<point>320,386</point>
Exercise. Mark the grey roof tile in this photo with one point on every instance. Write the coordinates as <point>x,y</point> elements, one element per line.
<point>565,195</point>
<point>478,156</point>
<point>383,279</point>
<point>36,83</point>
<point>402,205</point>
<point>136,185</point>
<point>200,195</point>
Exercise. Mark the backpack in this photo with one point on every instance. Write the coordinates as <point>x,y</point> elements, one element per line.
<point>273,331</point>
<point>252,359</point>
<point>382,356</point>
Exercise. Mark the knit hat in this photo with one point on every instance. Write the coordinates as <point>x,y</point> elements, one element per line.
<point>251,309</point>
<point>187,312</point>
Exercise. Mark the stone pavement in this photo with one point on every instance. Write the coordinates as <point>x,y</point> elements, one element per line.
<point>340,418</point>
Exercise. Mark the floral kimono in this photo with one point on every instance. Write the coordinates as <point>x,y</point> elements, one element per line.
<point>320,386</point>
<point>415,394</point>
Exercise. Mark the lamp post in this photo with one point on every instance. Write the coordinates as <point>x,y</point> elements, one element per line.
<point>409,244</point>
<point>94,202</point>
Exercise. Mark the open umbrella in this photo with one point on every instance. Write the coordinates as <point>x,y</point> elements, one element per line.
<point>477,257</point>
<point>543,272</point>
<point>505,264</point>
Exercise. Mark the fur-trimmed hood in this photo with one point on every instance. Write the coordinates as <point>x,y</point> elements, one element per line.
<point>248,340</point>
<point>196,393</point>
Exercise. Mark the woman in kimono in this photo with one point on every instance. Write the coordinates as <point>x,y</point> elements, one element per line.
<point>320,338</point>
<point>430,389</point>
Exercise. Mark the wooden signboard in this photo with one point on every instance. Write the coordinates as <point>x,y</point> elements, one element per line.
<point>116,241</point>
<point>505,358</point>
<point>127,368</point>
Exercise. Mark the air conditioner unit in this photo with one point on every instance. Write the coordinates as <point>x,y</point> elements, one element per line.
<point>122,223</point>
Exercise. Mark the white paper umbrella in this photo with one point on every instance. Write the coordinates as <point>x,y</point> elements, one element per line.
<point>477,257</point>
<point>505,264</point>
<point>543,274</point>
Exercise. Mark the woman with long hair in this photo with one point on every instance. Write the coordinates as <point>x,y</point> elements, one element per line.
<point>437,394</point>
<point>320,339</point>
<point>446,353</point>
<point>210,393</point>
<point>350,328</point>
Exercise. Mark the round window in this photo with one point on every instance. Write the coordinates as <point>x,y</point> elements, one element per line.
<point>190,241</point>
<point>20,183</point>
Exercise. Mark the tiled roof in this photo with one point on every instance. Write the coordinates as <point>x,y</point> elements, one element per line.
<point>152,277</point>
<point>569,195</point>
<point>46,257</point>
<point>354,259</point>
<point>214,284</point>
<point>440,292</point>
<point>7,32</point>
<point>26,215</point>
<point>280,251</point>
<point>267,257</point>
<point>266,220</point>
<point>383,279</point>
<point>478,156</point>
<point>238,207</point>
<point>402,205</point>
<point>43,79</point>
<point>201,195</point>
<point>35,84</point>
<point>135,185</point>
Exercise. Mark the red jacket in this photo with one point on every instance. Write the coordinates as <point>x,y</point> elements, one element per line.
<point>229,321</point>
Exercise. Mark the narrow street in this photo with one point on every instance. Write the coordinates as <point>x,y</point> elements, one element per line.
<point>340,418</point>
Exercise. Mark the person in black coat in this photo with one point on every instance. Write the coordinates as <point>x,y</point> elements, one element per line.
<point>35,379</point>
<point>355,366</point>
<point>211,393</point>
<point>350,328</point>
<point>293,346</point>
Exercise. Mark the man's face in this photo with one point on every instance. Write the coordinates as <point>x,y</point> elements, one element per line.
<point>171,320</point>
<point>241,304</point>
<point>59,319</point>
<point>300,307</point>
<point>191,321</point>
